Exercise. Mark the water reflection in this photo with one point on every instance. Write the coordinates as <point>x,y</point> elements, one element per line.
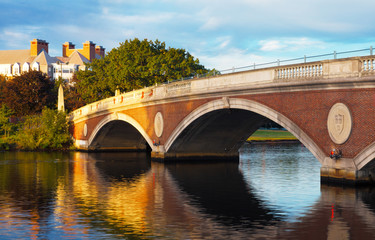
<point>285,177</point>
<point>116,195</point>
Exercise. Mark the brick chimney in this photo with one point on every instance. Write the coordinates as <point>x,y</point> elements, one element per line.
<point>88,50</point>
<point>68,49</point>
<point>99,50</point>
<point>36,46</point>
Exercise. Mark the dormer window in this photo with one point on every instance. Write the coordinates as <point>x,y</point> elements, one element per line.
<point>16,69</point>
<point>25,67</point>
<point>36,66</point>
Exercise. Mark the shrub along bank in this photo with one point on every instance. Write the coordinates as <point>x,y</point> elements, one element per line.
<point>48,130</point>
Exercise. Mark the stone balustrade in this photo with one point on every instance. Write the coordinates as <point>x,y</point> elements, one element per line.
<point>368,64</point>
<point>300,71</point>
<point>328,69</point>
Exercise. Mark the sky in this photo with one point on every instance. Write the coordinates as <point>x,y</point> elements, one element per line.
<point>221,34</point>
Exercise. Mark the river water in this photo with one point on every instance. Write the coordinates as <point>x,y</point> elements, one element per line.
<point>272,192</point>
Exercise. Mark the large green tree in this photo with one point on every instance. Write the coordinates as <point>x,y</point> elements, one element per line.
<point>135,64</point>
<point>2,88</point>
<point>28,93</point>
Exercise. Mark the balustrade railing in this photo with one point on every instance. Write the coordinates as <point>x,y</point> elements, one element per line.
<point>368,64</point>
<point>307,70</point>
<point>302,60</point>
<point>300,71</point>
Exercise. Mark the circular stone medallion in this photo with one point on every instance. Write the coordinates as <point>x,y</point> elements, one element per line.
<point>158,124</point>
<point>85,130</point>
<point>339,123</point>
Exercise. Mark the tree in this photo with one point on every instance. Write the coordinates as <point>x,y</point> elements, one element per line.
<point>28,93</point>
<point>2,88</point>
<point>5,125</point>
<point>48,130</point>
<point>135,64</point>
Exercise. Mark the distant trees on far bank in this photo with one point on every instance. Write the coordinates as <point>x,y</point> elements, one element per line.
<point>135,64</point>
<point>28,116</point>
<point>28,93</point>
<point>28,102</point>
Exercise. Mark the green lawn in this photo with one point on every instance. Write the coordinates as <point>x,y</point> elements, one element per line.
<point>271,135</point>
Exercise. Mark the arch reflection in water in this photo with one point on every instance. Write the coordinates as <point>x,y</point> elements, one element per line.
<point>285,177</point>
<point>117,195</point>
<point>149,202</point>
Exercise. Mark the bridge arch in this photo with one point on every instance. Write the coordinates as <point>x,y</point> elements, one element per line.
<point>365,158</point>
<point>251,106</point>
<point>118,117</point>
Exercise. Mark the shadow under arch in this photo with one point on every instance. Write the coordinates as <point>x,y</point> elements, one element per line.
<point>251,106</point>
<point>116,125</point>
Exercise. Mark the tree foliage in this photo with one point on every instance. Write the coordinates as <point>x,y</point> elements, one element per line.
<point>48,130</point>
<point>5,125</point>
<point>135,64</point>
<point>28,93</point>
<point>2,88</point>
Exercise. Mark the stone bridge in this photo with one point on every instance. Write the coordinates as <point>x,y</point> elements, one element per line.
<point>328,105</point>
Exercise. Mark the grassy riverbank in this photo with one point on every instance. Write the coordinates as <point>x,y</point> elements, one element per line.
<point>271,135</point>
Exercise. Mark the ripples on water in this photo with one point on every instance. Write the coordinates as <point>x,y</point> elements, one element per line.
<point>273,192</point>
<point>286,178</point>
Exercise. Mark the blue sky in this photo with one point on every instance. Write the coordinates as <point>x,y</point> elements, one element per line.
<point>221,34</point>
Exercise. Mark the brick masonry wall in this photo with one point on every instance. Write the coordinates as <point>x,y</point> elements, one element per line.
<point>307,109</point>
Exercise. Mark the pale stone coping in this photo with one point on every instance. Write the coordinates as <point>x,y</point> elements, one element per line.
<point>341,163</point>
<point>260,78</point>
<point>81,144</point>
<point>122,117</point>
<point>237,103</point>
<point>365,156</point>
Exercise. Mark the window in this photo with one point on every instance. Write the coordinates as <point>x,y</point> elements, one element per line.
<point>25,67</point>
<point>36,66</point>
<point>16,69</point>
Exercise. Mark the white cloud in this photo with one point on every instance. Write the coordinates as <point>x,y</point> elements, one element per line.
<point>232,57</point>
<point>221,34</point>
<point>19,36</point>
<point>222,42</point>
<point>105,10</point>
<point>271,45</point>
<point>211,23</point>
<point>290,44</point>
<point>139,19</point>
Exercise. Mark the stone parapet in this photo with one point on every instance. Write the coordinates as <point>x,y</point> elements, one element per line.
<point>287,78</point>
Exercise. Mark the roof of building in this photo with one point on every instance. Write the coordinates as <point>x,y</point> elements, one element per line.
<point>13,56</point>
<point>63,59</point>
<point>78,58</point>
<point>22,56</point>
<point>44,59</point>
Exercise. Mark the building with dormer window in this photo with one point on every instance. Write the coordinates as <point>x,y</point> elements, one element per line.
<point>14,62</point>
